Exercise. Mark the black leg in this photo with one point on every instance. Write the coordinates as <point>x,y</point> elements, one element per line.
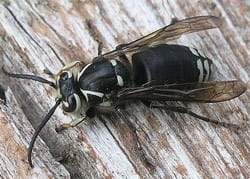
<point>185,110</point>
<point>140,150</point>
<point>99,52</point>
<point>100,47</point>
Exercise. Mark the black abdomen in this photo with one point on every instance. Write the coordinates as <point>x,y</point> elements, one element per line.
<point>167,64</point>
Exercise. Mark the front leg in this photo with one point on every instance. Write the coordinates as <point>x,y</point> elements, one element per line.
<point>90,113</point>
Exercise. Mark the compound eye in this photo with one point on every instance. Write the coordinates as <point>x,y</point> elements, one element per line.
<point>65,75</point>
<point>72,104</point>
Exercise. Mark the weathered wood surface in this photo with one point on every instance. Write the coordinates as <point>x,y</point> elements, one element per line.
<point>16,133</point>
<point>39,36</point>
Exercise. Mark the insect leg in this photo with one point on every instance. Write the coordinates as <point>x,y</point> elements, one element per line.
<point>140,149</point>
<point>89,114</point>
<point>99,52</point>
<point>100,47</point>
<point>71,124</point>
<point>185,110</point>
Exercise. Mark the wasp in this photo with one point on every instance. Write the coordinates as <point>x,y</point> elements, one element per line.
<point>156,72</point>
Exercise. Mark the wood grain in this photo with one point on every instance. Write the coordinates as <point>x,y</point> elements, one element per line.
<point>38,37</point>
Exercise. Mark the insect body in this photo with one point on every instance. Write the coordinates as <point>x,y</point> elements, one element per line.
<point>168,64</point>
<point>157,72</point>
<point>100,80</point>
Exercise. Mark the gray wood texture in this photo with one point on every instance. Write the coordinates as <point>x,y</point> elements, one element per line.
<point>37,37</point>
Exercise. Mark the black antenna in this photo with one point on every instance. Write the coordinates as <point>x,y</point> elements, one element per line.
<point>29,77</point>
<point>39,128</point>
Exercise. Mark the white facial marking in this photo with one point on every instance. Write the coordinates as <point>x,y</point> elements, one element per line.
<point>200,67</point>
<point>113,62</point>
<point>94,93</point>
<point>206,66</point>
<point>120,80</point>
<point>194,51</point>
<point>82,71</point>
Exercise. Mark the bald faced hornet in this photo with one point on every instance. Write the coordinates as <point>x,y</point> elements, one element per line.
<point>157,72</point>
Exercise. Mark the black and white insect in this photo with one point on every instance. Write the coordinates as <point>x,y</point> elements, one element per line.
<point>157,72</point>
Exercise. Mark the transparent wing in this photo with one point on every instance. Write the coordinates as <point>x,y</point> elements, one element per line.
<point>172,31</point>
<point>207,92</point>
